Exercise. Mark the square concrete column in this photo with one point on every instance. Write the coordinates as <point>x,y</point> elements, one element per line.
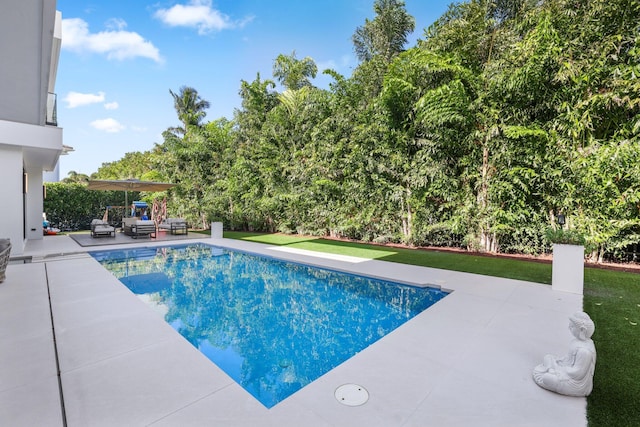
<point>216,230</point>
<point>568,268</point>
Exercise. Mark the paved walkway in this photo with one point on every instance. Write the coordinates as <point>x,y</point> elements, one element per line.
<point>466,361</point>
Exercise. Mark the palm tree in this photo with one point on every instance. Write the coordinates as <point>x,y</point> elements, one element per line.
<point>189,106</point>
<point>294,73</point>
<point>386,34</point>
<point>74,176</point>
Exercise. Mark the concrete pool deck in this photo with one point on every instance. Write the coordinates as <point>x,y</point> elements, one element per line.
<point>466,361</point>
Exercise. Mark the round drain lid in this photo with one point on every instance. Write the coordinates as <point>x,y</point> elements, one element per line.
<point>352,395</point>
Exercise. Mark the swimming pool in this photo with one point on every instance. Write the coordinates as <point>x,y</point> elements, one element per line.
<point>272,326</point>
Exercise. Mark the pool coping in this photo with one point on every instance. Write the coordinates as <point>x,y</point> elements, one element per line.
<point>467,360</point>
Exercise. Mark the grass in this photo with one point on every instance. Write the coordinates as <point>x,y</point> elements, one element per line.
<point>479,264</point>
<point>612,299</point>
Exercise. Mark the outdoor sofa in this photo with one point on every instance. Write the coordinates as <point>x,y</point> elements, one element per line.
<point>102,228</point>
<point>174,225</point>
<point>135,227</point>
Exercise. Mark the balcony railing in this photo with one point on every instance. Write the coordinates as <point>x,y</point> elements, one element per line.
<point>52,109</point>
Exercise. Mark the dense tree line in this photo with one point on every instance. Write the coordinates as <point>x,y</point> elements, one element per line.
<point>71,206</point>
<point>505,114</point>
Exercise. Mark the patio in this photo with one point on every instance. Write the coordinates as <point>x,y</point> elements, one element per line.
<point>85,239</point>
<point>465,361</point>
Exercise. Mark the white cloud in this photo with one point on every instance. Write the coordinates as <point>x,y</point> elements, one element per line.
<point>198,14</point>
<point>77,99</point>
<point>111,105</point>
<point>115,43</point>
<point>107,125</point>
<point>116,24</point>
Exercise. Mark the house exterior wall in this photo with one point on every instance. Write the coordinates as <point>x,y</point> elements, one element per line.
<point>11,208</point>
<point>35,203</point>
<point>26,45</point>
<point>30,41</point>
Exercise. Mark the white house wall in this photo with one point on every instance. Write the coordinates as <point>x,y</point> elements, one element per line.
<point>26,36</point>
<point>33,212</point>
<point>30,44</point>
<point>11,205</point>
<point>30,135</point>
<point>40,144</point>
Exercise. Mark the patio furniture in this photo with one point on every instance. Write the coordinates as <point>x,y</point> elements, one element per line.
<point>102,228</point>
<point>174,225</point>
<point>127,223</point>
<point>135,227</point>
<point>5,251</point>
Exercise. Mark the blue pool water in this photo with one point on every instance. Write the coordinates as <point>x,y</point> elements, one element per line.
<point>273,326</point>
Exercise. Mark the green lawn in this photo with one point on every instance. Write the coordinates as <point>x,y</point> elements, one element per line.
<point>612,299</point>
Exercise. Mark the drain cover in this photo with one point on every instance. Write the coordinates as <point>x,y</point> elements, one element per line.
<point>352,395</point>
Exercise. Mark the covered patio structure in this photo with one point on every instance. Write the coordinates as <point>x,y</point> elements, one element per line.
<point>127,185</point>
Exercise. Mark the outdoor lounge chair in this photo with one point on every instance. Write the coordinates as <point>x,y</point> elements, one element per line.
<point>102,228</point>
<point>174,225</point>
<point>139,228</point>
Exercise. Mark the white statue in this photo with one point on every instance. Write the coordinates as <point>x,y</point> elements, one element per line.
<point>573,374</point>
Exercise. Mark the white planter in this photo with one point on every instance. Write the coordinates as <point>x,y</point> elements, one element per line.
<point>216,230</point>
<point>568,268</point>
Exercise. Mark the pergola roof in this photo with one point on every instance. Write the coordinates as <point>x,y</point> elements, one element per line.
<point>128,185</point>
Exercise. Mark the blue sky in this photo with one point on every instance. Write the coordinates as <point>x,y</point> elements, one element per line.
<point>119,59</point>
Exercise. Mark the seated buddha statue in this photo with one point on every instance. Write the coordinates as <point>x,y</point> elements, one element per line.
<point>571,375</point>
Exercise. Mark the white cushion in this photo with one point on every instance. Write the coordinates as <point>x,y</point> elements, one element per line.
<point>176,221</point>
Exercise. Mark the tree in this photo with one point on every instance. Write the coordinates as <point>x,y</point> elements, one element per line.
<point>598,121</point>
<point>76,177</point>
<point>512,54</point>
<point>294,73</point>
<point>196,166</point>
<point>508,112</point>
<point>428,104</point>
<point>386,34</point>
<point>467,32</point>
<point>258,98</point>
<point>190,108</point>
<point>132,165</point>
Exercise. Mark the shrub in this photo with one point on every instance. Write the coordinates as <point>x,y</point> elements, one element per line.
<point>565,237</point>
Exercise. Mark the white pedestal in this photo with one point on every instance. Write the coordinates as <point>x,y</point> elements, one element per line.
<point>216,230</point>
<point>568,268</point>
